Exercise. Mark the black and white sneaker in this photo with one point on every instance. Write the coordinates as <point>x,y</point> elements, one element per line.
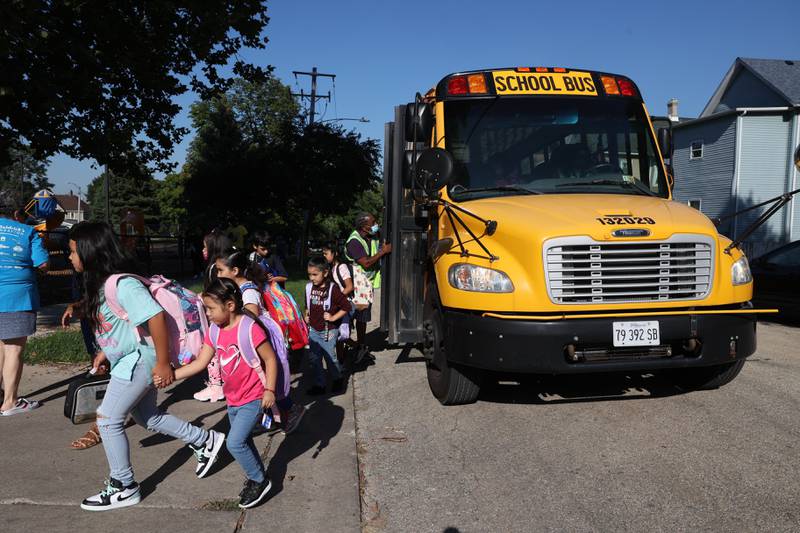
<point>253,492</point>
<point>114,497</point>
<point>207,454</point>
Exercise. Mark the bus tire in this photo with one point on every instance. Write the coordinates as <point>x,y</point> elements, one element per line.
<point>451,384</point>
<point>711,377</point>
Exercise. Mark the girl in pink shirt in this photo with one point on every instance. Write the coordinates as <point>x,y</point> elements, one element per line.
<point>248,390</point>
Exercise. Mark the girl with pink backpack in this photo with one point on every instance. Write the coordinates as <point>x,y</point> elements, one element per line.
<point>250,376</point>
<point>135,339</point>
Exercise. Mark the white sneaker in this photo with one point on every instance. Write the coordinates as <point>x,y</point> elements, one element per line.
<point>114,496</point>
<point>212,393</point>
<point>207,455</point>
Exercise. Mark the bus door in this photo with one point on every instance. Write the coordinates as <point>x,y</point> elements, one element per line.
<point>402,271</point>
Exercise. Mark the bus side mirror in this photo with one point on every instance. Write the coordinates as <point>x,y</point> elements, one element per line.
<point>665,142</point>
<point>434,169</point>
<point>408,178</point>
<point>797,157</point>
<point>419,122</point>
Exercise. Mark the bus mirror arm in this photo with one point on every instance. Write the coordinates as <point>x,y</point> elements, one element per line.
<point>452,210</point>
<point>777,204</point>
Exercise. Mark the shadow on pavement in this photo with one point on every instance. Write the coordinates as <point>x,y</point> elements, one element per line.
<point>321,423</point>
<point>184,391</point>
<point>576,389</point>
<point>406,357</point>
<point>179,458</point>
<point>58,385</point>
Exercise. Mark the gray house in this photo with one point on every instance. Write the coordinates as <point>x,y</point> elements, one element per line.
<point>739,151</point>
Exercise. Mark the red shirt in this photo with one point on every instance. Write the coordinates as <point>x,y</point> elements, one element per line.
<point>240,382</point>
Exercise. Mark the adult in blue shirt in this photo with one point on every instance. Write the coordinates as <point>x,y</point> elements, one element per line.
<point>21,252</point>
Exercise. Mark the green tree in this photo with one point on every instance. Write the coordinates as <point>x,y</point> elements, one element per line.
<point>251,163</point>
<point>336,227</point>
<point>215,182</point>
<point>130,191</point>
<point>170,194</point>
<point>98,79</point>
<point>266,112</point>
<point>331,169</point>
<point>23,177</point>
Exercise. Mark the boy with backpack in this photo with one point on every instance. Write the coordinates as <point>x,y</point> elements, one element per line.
<point>270,262</point>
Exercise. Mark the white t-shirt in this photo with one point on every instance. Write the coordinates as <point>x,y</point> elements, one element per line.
<point>342,272</point>
<point>252,296</point>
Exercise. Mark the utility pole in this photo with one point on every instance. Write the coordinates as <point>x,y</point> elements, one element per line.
<point>313,96</point>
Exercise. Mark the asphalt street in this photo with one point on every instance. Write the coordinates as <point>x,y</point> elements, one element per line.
<point>600,453</point>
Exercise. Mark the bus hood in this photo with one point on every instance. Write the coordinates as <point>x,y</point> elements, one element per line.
<point>599,216</point>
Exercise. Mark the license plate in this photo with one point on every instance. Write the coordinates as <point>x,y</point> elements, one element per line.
<point>636,333</point>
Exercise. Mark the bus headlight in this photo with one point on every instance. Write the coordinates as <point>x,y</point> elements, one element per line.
<point>478,279</point>
<point>740,272</point>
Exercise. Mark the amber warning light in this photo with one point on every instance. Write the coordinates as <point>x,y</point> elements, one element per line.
<point>468,84</point>
<point>618,86</point>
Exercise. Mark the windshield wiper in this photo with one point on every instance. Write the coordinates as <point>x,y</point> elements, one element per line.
<point>625,184</point>
<point>499,188</point>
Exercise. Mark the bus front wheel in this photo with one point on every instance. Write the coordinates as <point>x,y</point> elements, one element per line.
<point>451,384</point>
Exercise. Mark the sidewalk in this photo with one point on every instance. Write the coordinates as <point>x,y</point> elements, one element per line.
<point>314,471</point>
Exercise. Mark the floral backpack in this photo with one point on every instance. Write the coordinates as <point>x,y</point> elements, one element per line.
<point>283,309</point>
<point>183,309</point>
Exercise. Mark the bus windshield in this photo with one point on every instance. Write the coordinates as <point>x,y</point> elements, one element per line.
<point>508,146</point>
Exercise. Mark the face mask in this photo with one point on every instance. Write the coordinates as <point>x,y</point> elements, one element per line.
<point>374,229</point>
<point>205,254</point>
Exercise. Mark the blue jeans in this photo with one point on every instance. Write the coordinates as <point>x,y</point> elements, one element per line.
<point>136,397</point>
<point>319,347</point>
<point>240,439</point>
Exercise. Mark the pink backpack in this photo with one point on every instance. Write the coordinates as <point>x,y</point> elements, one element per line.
<point>250,355</point>
<point>184,312</point>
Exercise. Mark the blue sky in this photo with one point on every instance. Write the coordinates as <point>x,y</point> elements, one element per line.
<point>382,52</point>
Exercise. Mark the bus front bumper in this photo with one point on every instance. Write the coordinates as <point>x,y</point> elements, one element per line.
<point>568,346</point>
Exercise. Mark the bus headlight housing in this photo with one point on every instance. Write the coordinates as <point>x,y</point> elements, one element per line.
<point>740,272</point>
<point>475,278</point>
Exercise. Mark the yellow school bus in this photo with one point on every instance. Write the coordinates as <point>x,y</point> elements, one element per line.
<point>534,232</point>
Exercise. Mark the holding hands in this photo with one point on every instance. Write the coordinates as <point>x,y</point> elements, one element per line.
<point>163,375</point>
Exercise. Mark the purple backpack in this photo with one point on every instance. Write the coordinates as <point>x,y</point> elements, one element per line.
<point>278,342</point>
<point>184,312</point>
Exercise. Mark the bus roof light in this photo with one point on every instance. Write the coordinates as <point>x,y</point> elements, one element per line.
<point>541,69</point>
<point>609,84</point>
<point>626,87</point>
<point>523,69</point>
<point>477,83</point>
<point>559,69</point>
<point>457,85</point>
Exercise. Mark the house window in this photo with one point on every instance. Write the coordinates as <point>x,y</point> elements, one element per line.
<point>696,150</point>
<point>697,204</point>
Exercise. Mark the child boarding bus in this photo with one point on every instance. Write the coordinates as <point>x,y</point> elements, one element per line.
<point>534,232</point>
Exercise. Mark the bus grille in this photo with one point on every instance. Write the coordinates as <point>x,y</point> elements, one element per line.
<point>581,270</point>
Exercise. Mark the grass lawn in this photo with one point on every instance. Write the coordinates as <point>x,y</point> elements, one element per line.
<point>58,347</point>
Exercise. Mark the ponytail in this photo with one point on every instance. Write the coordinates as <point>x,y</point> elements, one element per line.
<point>247,269</point>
